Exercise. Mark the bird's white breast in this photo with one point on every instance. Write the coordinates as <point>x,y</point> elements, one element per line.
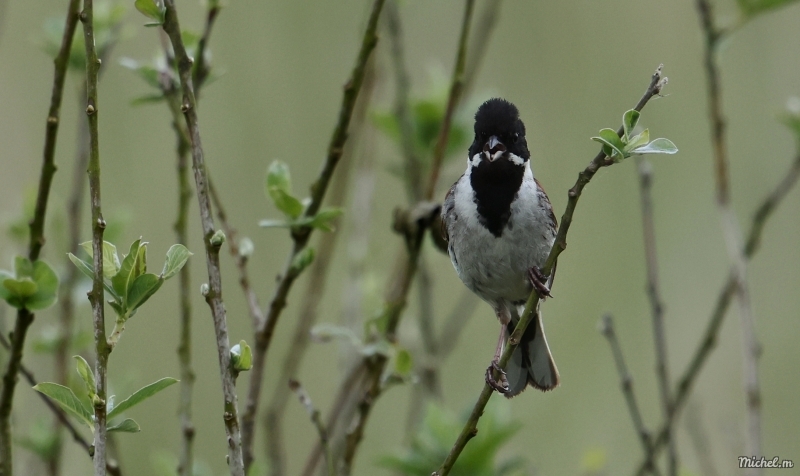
<point>494,267</point>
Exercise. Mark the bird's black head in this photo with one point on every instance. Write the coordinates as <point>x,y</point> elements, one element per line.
<point>499,133</point>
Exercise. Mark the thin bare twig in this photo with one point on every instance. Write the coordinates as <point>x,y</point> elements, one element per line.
<point>102,348</point>
<point>305,400</point>
<point>653,292</point>
<point>301,235</point>
<point>25,317</point>
<point>532,305</point>
<point>709,340</point>
<point>170,90</point>
<point>701,444</point>
<point>412,165</point>
<point>732,232</point>
<point>213,295</point>
<point>456,87</point>
<point>626,382</point>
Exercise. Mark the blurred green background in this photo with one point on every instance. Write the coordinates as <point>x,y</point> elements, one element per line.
<point>571,68</point>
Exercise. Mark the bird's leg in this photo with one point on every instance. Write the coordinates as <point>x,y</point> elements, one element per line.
<point>538,281</point>
<point>501,385</point>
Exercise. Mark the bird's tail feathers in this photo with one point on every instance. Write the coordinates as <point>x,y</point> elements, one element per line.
<point>531,363</point>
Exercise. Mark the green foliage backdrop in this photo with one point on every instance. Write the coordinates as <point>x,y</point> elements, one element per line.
<point>572,68</point>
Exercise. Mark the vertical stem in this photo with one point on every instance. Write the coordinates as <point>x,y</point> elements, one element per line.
<point>214,295</point>
<point>456,86</point>
<point>24,317</point>
<point>662,371</point>
<point>732,233</point>
<point>185,346</point>
<point>102,348</point>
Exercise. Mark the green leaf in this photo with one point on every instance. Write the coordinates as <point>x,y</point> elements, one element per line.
<point>151,9</point>
<point>638,140</point>
<point>609,138</point>
<point>125,276</point>
<point>278,177</point>
<point>241,356</point>
<point>289,205</point>
<point>751,8</point>
<point>658,146</point>
<point>86,374</point>
<point>67,400</point>
<point>141,395</point>
<point>83,266</point>
<point>110,258</point>
<point>402,362</point>
<point>34,287</point>
<point>177,256</point>
<point>629,121</point>
<point>279,187</point>
<point>141,289</point>
<point>21,289</point>
<point>47,282</point>
<point>302,260</point>
<point>323,220</point>
<point>126,426</point>
<point>23,267</point>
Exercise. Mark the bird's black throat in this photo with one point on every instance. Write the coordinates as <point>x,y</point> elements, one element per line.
<point>496,185</point>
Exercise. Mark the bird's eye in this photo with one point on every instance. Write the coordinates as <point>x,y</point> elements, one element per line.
<point>515,137</point>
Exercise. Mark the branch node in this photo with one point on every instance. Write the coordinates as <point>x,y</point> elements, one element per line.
<point>52,120</point>
<point>90,110</point>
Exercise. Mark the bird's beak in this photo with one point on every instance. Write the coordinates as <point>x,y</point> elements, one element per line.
<point>494,149</point>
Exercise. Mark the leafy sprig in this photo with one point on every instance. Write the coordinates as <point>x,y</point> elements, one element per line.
<point>73,405</point>
<point>619,148</point>
<point>278,187</point>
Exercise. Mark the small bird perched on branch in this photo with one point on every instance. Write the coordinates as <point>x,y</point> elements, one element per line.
<point>500,227</point>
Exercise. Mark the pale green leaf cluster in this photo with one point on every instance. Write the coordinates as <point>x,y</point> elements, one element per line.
<point>439,429</point>
<point>127,282</point>
<point>32,285</point>
<point>619,148</point>
<point>278,187</point>
<point>73,406</point>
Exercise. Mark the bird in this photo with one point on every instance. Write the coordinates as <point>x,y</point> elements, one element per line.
<point>499,227</point>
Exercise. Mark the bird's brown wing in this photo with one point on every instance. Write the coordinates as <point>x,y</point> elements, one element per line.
<point>553,223</point>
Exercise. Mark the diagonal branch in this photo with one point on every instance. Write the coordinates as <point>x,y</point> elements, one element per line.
<point>301,235</point>
<point>25,317</point>
<point>732,233</point>
<point>626,382</point>
<point>709,340</point>
<point>657,82</point>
